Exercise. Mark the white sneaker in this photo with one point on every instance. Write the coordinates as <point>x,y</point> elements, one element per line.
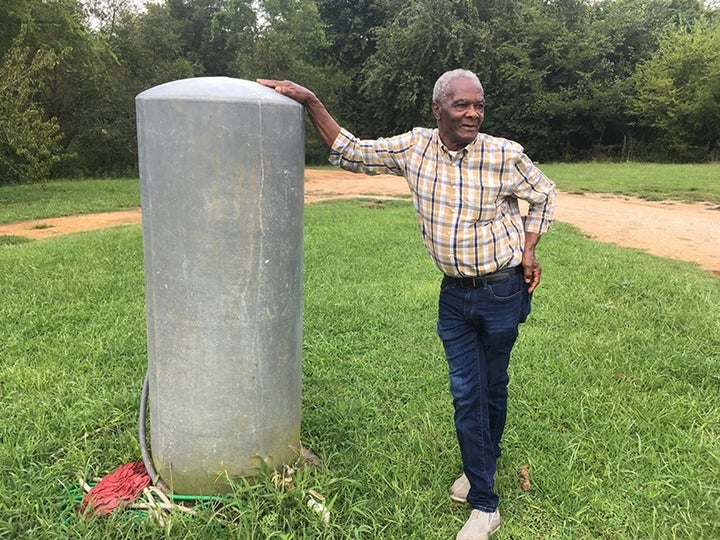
<point>459,489</point>
<point>480,525</point>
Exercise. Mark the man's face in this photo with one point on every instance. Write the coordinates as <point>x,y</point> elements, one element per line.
<point>459,116</point>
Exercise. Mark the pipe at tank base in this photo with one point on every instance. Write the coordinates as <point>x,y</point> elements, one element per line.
<point>144,451</point>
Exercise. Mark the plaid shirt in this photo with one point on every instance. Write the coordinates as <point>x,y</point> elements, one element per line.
<point>467,204</point>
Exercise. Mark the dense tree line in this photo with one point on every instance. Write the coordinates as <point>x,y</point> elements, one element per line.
<point>569,79</point>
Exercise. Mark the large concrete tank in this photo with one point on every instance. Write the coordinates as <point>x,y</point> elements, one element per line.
<point>221,172</point>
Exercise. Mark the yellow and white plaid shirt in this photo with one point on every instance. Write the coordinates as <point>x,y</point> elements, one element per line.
<point>466,203</point>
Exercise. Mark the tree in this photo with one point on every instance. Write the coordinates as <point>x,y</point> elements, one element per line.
<point>202,36</point>
<point>106,13</point>
<point>147,51</point>
<point>678,93</point>
<point>567,117</point>
<point>291,44</point>
<point>73,90</point>
<point>236,28</point>
<point>29,140</point>
<point>351,29</point>
<point>555,72</point>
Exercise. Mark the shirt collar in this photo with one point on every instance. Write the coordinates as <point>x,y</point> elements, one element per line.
<point>459,153</point>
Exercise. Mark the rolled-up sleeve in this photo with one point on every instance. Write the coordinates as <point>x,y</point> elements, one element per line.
<point>540,193</point>
<point>378,156</point>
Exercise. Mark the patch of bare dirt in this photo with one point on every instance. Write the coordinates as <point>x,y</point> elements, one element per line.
<point>688,232</point>
<point>47,228</point>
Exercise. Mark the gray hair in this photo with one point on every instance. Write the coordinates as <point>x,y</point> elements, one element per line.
<point>442,85</point>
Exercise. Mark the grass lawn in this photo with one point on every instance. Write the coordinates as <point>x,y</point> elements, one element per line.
<point>652,181</point>
<point>66,198</point>
<point>614,393</point>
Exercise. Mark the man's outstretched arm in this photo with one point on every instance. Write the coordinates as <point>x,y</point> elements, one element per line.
<point>325,125</point>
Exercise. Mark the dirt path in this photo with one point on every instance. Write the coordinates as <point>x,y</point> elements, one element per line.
<point>688,232</point>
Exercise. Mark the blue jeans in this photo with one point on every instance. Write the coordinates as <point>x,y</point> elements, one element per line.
<point>478,327</point>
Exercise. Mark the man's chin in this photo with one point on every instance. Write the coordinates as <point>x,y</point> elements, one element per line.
<point>468,139</point>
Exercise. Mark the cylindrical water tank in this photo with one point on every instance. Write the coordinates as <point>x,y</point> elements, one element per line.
<point>221,172</point>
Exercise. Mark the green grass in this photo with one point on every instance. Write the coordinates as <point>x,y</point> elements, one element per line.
<point>614,395</point>
<point>10,239</point>
<point>650,181</point>
<point>66,198</point>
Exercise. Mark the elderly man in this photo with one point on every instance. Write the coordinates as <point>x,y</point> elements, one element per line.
<point>465,186</point>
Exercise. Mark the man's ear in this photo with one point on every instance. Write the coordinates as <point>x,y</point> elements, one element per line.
<point>436,110</point>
